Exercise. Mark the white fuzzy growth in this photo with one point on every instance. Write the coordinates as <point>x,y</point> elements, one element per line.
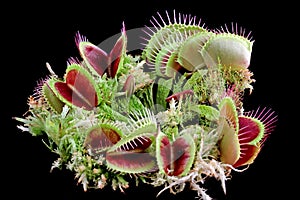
<point>23,128</point>
<point>50,69</point>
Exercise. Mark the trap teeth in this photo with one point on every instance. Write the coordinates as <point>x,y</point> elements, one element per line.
<point>182,45</point>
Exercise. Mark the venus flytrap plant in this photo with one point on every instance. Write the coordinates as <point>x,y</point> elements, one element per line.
<point>97,60</point>
<point>170,117</point>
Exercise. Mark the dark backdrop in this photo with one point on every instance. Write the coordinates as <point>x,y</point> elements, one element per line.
<point>36,33</point>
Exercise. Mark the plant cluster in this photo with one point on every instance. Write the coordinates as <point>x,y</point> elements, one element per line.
<point>170,116</point>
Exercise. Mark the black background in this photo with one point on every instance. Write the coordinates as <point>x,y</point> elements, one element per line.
<point>44,32</point>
